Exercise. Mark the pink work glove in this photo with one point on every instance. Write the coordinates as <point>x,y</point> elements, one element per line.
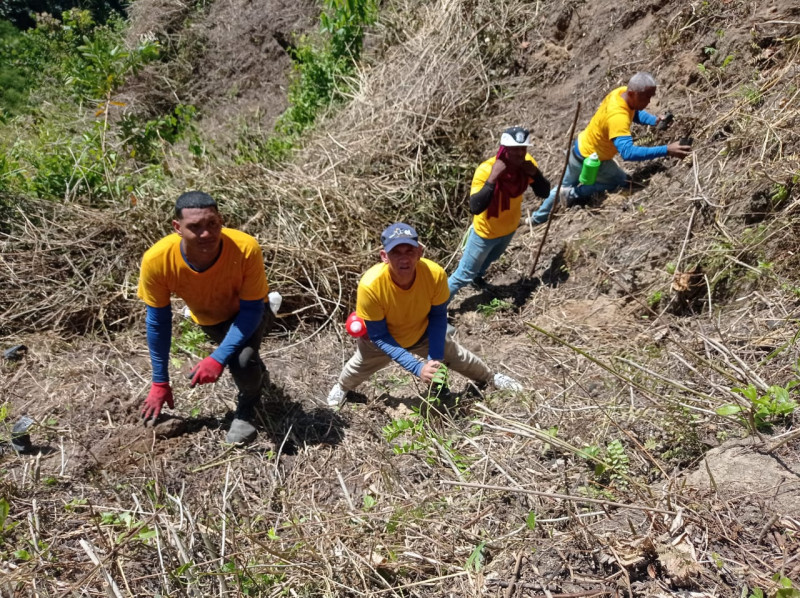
<point>160,393</point>
<point>206,372</point>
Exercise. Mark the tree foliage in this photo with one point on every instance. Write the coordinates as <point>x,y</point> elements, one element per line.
<point>21,13</point>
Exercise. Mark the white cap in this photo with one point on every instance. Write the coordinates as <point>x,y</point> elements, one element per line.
<point>515,137</point>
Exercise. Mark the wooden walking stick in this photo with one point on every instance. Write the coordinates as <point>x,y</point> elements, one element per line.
<point>558,191</point>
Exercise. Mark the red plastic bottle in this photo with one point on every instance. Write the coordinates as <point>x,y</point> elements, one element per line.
<point>355,326</point>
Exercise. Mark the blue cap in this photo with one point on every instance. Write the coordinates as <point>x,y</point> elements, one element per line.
<point>399,233</point>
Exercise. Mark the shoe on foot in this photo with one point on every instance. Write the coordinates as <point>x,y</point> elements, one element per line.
<point>566,197</point>
<point>479,282</point>
<point>336,396</point>
<point>503,382</point>
<point>241,432</point>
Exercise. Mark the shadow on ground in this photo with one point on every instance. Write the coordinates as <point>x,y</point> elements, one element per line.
<point>283,420</point>
<point>518,293</point>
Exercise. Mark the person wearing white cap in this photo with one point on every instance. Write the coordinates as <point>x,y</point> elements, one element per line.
<point>403,302</point>
<point>496,203</point>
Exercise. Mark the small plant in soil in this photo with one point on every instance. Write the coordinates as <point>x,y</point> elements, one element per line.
<point>418,435</point>
<point>494,306</point>
<point>611,464</point>
<point>655,298</point>
<point>765,409</point>
<point>786,589</point>
<point>189,339</point>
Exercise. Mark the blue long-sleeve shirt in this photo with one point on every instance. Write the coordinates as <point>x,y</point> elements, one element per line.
<point>379,334</point>
<point>636,153</point>
<point>159,335</point>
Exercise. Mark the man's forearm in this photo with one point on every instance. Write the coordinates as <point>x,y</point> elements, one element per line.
<point>244,325</point>
<point>637,153</point>
<point>380,336</point>
<point>478,202</point>
<point>643,117</point>
<point>159,339</point>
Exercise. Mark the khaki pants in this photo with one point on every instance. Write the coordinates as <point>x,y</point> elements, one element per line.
<point>368,359</point>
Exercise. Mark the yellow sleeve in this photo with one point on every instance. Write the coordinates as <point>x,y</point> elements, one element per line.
<point>153,289</point>
<point>441,291</point>
<point>619,124</point>
<point>367,305</point>
<point>480,177</point>
<point>254,285</point>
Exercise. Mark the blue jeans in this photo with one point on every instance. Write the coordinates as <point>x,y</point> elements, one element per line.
<point>479,254</point>
<point>609,177</point>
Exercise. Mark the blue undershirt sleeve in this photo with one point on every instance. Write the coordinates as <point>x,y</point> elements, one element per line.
<point>243,327</point>
<point>437,328</point>
<point>643,117</point>
<point>379,334</point>
<point>159,338</point>
<point>637,153</point>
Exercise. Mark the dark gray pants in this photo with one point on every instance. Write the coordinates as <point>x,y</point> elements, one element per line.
<point>245,364</point>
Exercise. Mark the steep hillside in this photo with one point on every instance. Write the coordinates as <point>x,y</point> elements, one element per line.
<point>655,449</point>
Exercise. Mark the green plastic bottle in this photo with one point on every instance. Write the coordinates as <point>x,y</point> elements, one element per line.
<point>589,171</point>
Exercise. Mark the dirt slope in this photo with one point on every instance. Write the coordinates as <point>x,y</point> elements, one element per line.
<point>646,309</point>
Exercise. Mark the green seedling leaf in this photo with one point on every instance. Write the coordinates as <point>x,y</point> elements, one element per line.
<point>146,534</point>
<point>729,410</point>
<point>5,508</point>
<point>531,520</point>
<point>475,560</point>
<point>369,502</point>
<point>183,568</point>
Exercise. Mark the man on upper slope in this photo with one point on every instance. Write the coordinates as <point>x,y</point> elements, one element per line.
<point>219,273</point>
<point>403,301</point>
<point>495,200</point>
<point>609,133</point>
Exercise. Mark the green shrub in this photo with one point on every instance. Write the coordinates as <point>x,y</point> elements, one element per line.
<point>319,77</point>
<point>144,140</point>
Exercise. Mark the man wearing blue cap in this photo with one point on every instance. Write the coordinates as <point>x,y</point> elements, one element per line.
<point>403,301</point>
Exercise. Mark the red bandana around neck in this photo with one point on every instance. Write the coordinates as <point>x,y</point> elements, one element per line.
<point>510,184</point>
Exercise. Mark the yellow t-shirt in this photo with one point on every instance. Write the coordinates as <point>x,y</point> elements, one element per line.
<point>506,221</point>
<point>612,119</point>
<point>406,311</point>
<point>213,295</point>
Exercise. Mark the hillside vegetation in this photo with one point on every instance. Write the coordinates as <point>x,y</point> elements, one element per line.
<point>655,452</point>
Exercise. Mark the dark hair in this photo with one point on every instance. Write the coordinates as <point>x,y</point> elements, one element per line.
<point>194,199</point>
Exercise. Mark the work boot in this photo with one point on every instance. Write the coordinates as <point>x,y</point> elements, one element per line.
<point>479,282</point>
<point>567,197</point>
<point>241,432</point>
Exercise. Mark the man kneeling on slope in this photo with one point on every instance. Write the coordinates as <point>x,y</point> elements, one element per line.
<point>403,301</point>
<point>219,273</point>
<point>609,133</point>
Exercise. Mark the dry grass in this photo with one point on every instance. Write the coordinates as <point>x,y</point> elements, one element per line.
<point>321,504</point>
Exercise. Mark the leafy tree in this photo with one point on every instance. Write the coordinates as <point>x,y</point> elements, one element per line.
<point>13,81</point>
<point>21,12</point>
